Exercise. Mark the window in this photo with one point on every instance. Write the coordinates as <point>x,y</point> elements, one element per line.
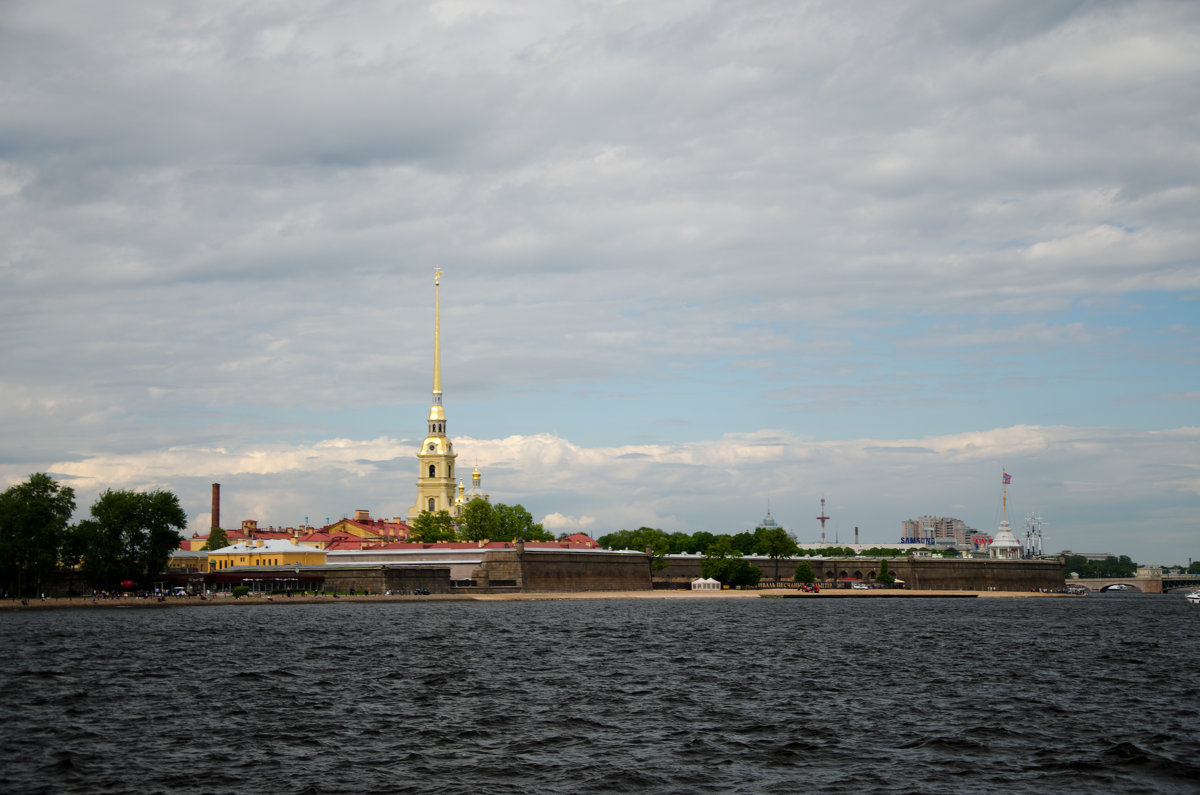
<point>432,471</point>
<point>432,503</point>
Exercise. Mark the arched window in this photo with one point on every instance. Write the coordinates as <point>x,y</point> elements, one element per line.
<point>432,503</point>
<point>432,470</point>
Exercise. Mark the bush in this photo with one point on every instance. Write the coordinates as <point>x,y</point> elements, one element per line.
<point>240,590</point>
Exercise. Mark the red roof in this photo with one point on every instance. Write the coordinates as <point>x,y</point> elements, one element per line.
<point>581,538</point>
<point>344,543</point>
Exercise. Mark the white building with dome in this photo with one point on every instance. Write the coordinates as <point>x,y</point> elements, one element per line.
<point>1005,545</point>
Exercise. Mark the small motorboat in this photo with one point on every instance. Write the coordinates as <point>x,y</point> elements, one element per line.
<point>1193,597</point>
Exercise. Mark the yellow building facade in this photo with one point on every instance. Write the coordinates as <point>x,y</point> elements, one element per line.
<point>264,553</point>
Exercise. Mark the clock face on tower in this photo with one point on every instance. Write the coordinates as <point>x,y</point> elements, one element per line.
<point>432,447</point>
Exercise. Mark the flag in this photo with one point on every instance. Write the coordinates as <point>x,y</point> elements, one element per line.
<point>1007,478</point>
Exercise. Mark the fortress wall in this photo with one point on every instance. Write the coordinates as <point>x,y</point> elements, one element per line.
<point>980,575</point>
<point>568,570</point>
<point>499,565</point>
<point>380,579</point>
<point>926,574</point>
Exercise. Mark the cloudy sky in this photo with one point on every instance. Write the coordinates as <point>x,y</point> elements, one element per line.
<point>700,259</point>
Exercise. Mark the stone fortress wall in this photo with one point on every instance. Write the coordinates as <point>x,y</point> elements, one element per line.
<point>917,573</point>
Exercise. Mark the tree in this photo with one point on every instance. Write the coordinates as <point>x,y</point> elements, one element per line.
<point>430,528</point>
<point>655,542</point>
<point>1194,567</point>
<point>713,564</point>
<point>701,541</point>
<point>739,571</point>
<point>514,523</point>
<point>680,543</point>
<point>723,562</point>
<point>216,540</point>
<point>885,576</point>
<point>804,572</point>
<point>657,545</point>
<point>1111,566</point>
<point>746,543</point>
<point>775,543</point>
<point>130,536</point>
<point>34,519</point>
<point>477,522</point>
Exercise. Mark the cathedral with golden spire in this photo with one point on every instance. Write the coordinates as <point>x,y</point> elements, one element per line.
<point>435,459</point>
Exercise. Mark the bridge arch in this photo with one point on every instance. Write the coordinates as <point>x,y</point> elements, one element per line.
<point>1120,586</point>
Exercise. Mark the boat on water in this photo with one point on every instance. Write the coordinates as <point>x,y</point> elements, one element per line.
<point>1193,597</point>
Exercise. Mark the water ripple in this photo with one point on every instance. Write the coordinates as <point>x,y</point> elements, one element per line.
<point>754,696</point>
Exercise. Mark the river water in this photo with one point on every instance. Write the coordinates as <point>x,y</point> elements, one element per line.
<point>1098,694</point>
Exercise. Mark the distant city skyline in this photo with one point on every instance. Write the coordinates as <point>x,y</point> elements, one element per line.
<point>698,259</point>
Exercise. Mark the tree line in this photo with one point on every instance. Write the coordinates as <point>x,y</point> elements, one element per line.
<point>724,555</point>
<point>762,541</point>
<point>1111,566</point>
<point>128,537</point>
<point>479,520</point>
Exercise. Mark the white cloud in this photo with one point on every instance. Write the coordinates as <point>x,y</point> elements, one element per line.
<point>660,223</point>
<point>1073,476</point>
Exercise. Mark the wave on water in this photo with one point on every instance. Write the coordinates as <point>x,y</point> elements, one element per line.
<point>955,696</point>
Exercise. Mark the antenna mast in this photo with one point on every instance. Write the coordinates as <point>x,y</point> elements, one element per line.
<point>822,519</point>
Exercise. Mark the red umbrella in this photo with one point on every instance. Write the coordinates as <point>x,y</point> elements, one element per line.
<point>127,583</point>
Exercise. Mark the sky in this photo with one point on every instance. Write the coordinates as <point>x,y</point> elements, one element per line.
<point>702,260</point>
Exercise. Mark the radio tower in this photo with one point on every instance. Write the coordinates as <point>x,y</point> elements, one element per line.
<point>822,519</point>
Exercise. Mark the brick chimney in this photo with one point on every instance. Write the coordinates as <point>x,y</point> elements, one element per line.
<point>216,506</point>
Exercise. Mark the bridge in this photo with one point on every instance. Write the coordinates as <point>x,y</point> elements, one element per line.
<point>1173,582</point>
<point>1153,583</point>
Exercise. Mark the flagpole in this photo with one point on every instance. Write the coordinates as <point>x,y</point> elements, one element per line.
<point>1004,498</point>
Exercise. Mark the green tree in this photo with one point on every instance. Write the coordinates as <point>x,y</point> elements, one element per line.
<point>746,543</point>
<point>477,522</point>
<point>514,523</point>
<point>430,528</point>
<point>1194,567</point>
<point>724,563</point>
<point>775,543</point>
<point>740,571</point>
<point>216,540</point>
<point>714,563</point>
<point>659,543</point>
<point>1111,566</point>
<point>804,572</point>
<point>680,543</point>
<point>701,541</point>
<point>885,576</point>
<point>34,518</point>
<point>130,536</point>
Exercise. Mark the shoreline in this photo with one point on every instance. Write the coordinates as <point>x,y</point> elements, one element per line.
<point>124,603</point>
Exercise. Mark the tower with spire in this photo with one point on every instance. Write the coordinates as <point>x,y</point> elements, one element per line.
<point>1005,545</point>
<point>435,459</point>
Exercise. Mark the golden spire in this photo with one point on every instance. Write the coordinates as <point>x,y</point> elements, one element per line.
<point>437,332</point>
<point>437,416</point>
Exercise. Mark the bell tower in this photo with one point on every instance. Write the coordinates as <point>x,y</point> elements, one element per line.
<point>435,459</point>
